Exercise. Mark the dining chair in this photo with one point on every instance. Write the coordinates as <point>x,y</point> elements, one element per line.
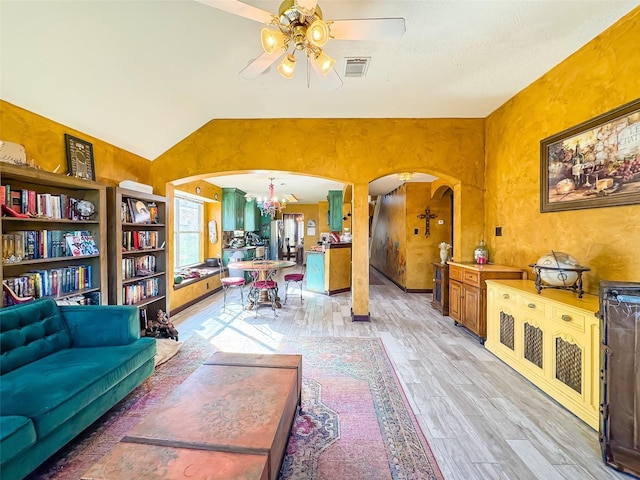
<point>297,277</point>
<point>230,282</point>
<point>264,290</point>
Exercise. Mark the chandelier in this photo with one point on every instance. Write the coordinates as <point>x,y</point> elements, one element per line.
<point>299,24</point>
<point>270,206</point>
<point>405,176</point>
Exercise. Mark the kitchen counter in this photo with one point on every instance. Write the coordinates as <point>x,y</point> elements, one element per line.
<point>329,272</point>
<point>241,248</point>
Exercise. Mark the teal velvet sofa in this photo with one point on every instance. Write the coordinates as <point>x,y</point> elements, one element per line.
<point>61,368</point>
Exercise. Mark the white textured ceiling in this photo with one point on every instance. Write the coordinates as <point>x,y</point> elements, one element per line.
<point>144,74</point>
<point>306,189</point>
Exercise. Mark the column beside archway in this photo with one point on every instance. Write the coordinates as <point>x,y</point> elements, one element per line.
<point>360,253</point>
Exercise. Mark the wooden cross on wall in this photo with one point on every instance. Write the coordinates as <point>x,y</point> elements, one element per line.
<point>427,216</point>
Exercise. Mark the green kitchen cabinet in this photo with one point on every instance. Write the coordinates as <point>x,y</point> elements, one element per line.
<point>233,206</point>
<point>335,210</point>
<point>252,216</point>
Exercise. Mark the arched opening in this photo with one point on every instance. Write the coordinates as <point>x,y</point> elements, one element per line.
<point>411,214</point>
<point>289,232</point>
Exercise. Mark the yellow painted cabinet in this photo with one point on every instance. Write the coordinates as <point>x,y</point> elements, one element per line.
<point>550,338</point>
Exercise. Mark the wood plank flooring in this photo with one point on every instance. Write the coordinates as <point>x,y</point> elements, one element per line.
<point>482,419</point>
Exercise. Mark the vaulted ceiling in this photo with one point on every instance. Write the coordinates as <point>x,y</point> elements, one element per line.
<point>144,74</point>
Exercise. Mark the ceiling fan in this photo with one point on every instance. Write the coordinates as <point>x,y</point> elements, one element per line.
<point>300,27</point>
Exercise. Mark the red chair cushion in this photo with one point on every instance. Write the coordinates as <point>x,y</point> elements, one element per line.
<point>232,281</point>
<point>264,284</point>
<point>294,277</point>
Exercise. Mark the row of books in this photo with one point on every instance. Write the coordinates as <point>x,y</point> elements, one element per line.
<point>37,244</point>
<point>138,267</point>
<point>134,293</point>
<point>50,283</point>
<point>139,240</point>
<point>46,205</point>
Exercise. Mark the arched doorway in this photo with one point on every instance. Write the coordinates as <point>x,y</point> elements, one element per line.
<point>409,217</point>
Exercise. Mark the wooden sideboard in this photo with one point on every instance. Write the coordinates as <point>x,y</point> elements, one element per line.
<point>467,293</point>
<point>441,288</point>
<point>551,338</point>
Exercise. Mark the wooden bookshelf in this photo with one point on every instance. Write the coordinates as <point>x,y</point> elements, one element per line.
<point>94,267</point>
<point>137,253</point>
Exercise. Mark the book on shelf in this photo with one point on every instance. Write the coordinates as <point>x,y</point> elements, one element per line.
<point>80,244</point>
<point>138,211</point>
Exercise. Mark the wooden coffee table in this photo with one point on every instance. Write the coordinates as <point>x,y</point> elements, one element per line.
<point>230,419</point>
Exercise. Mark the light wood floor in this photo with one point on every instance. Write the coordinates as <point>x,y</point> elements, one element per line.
<point>482,420</point>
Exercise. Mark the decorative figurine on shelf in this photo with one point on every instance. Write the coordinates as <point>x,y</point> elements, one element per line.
<point>161,327</point>
<point>481,253</point>
<point>444,252</point>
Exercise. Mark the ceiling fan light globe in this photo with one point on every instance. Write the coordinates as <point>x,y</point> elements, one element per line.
<point>287,66</point>
<point>272,40</point>
<point>325,62</point>
<point>318,33</point>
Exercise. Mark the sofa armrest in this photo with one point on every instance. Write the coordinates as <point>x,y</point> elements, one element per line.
<point>101,325</point>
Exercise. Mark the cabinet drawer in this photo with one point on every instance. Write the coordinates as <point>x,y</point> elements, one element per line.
<point>456,273</point>
<point>472,277</point>
<point>568,318</point>
<point>531,304</point>
<point>504,297</point>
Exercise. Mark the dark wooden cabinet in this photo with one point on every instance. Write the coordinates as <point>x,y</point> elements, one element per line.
<point>468,293</point>
<point>441,288</point>
<point>619,380</point>
<point>233,206</point>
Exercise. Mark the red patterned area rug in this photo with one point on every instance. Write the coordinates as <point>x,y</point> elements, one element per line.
<point>355,422</point>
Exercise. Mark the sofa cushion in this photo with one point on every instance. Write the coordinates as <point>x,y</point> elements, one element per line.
<point>53,389</point>
<point>30,331</point>
<point>16,435</point>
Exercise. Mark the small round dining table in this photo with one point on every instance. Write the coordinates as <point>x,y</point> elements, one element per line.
<point>263,267</point>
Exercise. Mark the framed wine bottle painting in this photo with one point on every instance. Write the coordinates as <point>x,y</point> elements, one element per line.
<point>594,164</point>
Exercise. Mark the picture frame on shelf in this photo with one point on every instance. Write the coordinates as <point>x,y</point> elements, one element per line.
<point>79,157</point>
<point>594,164</point>
<point>139,211</point>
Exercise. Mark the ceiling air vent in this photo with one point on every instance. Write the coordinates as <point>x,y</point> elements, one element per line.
<point>356,67</point>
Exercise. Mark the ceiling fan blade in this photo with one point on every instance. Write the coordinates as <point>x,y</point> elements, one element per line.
<point>241,9</point>
<point>260,64</point>
<point>368,29</point>
<point>331,79</point>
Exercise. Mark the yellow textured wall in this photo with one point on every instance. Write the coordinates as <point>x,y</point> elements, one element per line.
<point>599,77</point>
<point>43,140</point>
<point>346,150</point>
<point>310,212</point>
<point>388,240</point>
<point>421,250</point>
<point>192,291</point>
<point>353,151</point>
